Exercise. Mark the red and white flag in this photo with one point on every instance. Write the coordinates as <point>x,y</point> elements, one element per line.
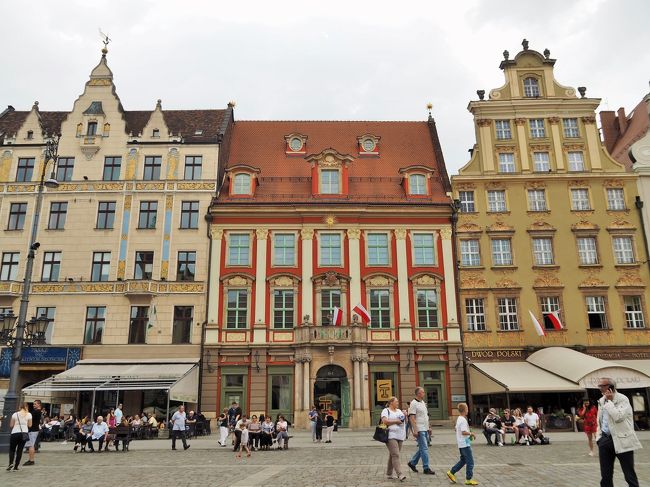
<point>554,318</point>
<point>363,312</point>
<point>337,316</point>
<point>538,328</point>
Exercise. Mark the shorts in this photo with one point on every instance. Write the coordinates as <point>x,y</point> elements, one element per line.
<point>33,435</point>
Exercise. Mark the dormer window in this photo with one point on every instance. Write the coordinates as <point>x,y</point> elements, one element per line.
<point>417,184</point>
<point>30,134</point>
<point>416,180</point>
<point>368,144</point>
<point>531,88</point>
<point>295,143</point>
<point>92,129</point>
<point>156,133</point>
<point>330,181</point>
<point>242,184</point>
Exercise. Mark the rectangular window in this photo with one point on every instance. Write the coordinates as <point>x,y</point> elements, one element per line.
<point>9,267</point>
<point>242,184</point>
<point>193,167</point>
<point>417,184</point>
<point>25,169</point>
<point>506,162</point>
<point>330,181</point>
<point>17,212</point>
<point>330,249</point>
<point>580,200</point>
<point>186,266</point>
<point>537,200</point>
<point>112,166</point>
<point>152,165</point>
<point>281,392</point>
<point>549,305</point>
<point>329,299</point>
<point>284,249</point>
<point>91,129</point>
<point>576,161</point>
<point>148,214</point>
<point>466,201</point>
<point>101,266</point>
<point>427,302</point>
<point>58,212</point>
<point>587,251</point>
<point>615,199</point>
<point>190,214</point>
<point>380,308</point>
<point>496,201</point>
<point>138,324</point>
<point>143,268</point>
<point>377,249</point>
<point>49,312</point>
<point>95,320</point>
<point>623,250</point>
<point>541,162</point>
<point>475,312</point>
<point>508,319</point>
<point>424,252</point>
<point>537,128</point>
<point>51,266</point>
<point>238,249</point>
<point>501,251</point>
<point>596,312</point>
<point>64,168</point>
<point>470,254</point>
<point>570,128</point>
<point>543,251</point>
<point>283,308</point>
<point>237,308</point>
<point>503,129</point>
<point>105,215</point>
<point>634,312</point>
<point>183,317</point>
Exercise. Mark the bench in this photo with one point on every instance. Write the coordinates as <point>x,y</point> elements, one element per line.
<point>123,434</point>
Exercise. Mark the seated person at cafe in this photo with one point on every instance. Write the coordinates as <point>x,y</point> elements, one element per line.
<point>153,422</point>
<point>268,428</point>
<point>508,424</point>
<point>99,433</point>
<point>123,434</point>
<point>534,425</point>
<point>492,426</point>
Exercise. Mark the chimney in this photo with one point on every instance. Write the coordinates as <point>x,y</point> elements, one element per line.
<point>609,129</point>
<point>622,120</point>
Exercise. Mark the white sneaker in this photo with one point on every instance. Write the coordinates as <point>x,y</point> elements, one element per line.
<point>591,454</point>
<point>500,443</point>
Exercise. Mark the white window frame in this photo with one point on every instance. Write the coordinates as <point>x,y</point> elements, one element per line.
<point>470,253</point>
<point>531,87</point>
<point>415,248</point>
<point>249,259</point>
<point>320,249</point>
<point>496,200</point>
<point>543,251</point>
<point>597,305</point>
<point>274,246</point>
<point>541,161</point>
<point>330,186</point>
<point>426,308</point>
<point>623,247</point>
<point>371,247</point>
<point>537,200</point>
<point>237,309</point>
<point>377,321</point>
<point>503,131</point>
<point>537,128</point>
<point>467,201</point>
<point>587,250</point>
<point>575,161</point>
<point>580,200</point>
<point>420,187</point>
<point>475,314</point>
<point>501,251</point>
<point>507,163</point>
<point>239,187</point>
<point>634,315</point>
<point>616,199</point>
<point>571,129</point>
<point>507,312</point>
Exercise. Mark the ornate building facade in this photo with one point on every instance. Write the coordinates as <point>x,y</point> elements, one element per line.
<point>312,217</point>
<point>547,226</point>
<point>121,270</point>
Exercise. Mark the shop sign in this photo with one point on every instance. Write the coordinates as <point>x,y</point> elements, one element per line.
<point>40,355</point>
<point>620,355</point>
<point>384,389</point>
<point>458,398</point>
<point>482,355</point>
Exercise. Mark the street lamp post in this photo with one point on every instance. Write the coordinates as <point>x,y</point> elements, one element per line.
<point>15,338</point>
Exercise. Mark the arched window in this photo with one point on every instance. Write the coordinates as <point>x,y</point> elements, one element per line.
<point>417,184</point>
<point>531,88</point>
<point>242,184</point>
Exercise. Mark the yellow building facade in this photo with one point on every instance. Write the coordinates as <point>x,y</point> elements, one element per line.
<point>547,225</point>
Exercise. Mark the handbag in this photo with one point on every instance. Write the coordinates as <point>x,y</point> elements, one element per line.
<point>381,432</point>
<point>24,434</point>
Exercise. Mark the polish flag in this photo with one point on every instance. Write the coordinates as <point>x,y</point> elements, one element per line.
<point>337,316</point>
<point>363,312</point>
<point>538,328</point>
<point>554,317</point>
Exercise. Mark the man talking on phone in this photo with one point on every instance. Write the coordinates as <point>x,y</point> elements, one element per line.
<point>615,437</point>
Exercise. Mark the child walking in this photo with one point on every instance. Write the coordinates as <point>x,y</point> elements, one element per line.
<point>244,441</point>
<point>463,438</point>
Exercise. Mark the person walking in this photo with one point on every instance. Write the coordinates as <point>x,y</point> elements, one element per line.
<point>589,414</point>
<point>464,439</point>
<point>329,425</point>
<point>319,427</point>
<point>34,430</point>
<point>20,423</point>
<point>178,428</point>
<point>243,444</point>
<point>419,419</point>
<point>223,427</point>
<point>395,419</point>
<point>615,435</point>
<point>312,425</point>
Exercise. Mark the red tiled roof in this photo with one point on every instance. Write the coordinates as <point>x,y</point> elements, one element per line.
<point>287,178</point>
<point>620,141</point>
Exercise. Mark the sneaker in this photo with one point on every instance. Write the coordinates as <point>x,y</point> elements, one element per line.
<point>500,443</point>
<point>451,477</point>
<point>28,462</point>
<point>402,478</point>
<point>391,477</point>
<point>591,454</point>
<point>412,467</point>
<point>471,482</point>
<point>186,447</point>
<point>11,466</point>
<point>428,471</point>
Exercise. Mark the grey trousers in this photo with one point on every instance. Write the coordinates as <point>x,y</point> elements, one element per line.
<point>394,447</point>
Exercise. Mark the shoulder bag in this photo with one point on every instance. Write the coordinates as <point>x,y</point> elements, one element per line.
<point>381,431</point>
<point>24,434</point>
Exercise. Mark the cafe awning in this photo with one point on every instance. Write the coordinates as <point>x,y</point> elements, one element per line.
<point>586,370</point>
<point>178,376</point>
<point>500,377</point>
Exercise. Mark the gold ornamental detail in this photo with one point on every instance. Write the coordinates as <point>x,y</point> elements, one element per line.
<point>520,121</point>
<point>613,183</point>
<point>547,280</point>
<point>589,120</point>
<point>195,186</point>
<point>216,233</point>
<point>400,233</point>
<point>469,227</point>
<point>630,278</point>
<point>307,233</point>
<point>554,120</point>
<point>262,233</point>
<point>149,186</point>
<point>483,122</point>
<point>593,280</point>
<point>577,183</point>
<point>354,234</point>
<point>472,280</point>
<point>445,233</point>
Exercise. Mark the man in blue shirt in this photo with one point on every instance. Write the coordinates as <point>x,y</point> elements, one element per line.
<point>98,432</point>
<point>178,428</point>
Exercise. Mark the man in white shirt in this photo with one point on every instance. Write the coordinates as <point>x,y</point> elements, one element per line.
<point>419,419</point>
<point>118,415</point>
<point>98,432</point>
<point>178,428</point>
<point>531,419</point>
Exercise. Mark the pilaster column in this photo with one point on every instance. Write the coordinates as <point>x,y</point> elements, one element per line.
<point>364,384</point>
<point>305,384</point>
<point>354,235</point>
<point>453,330</point>
<point>520,123</point>
<point>297,399</point>
<point>307,236</point>
<point>485,143</point>
<point>557,143</point>
<point>357,382</point>
<point>402,277</point>
<point>216,239</point>
<point>260,275</point>
<point>593,142</point>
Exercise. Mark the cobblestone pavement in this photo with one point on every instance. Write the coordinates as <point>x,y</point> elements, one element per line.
<point>351,460</point>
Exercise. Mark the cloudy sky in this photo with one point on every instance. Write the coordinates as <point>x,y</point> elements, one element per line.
<point>353,59</point>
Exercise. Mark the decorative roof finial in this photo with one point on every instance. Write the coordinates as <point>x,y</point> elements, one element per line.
<point>231,104</point>
<point>429,107</point>
<point>582,90</point>
<point>106,40</point>
<point>547,53</point>
<point>35,106</point>
<point>524,44</point>
<point>481,94</point>
<point>506,55</point>
<point>159,104</point>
